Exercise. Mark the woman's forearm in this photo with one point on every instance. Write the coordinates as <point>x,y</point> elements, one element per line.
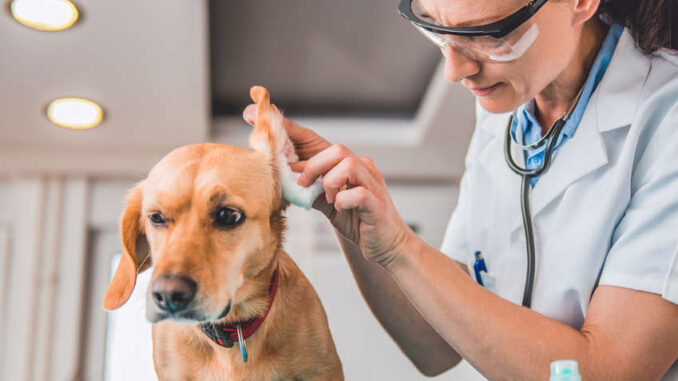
<point>416,338</point>
<point>500,339</point>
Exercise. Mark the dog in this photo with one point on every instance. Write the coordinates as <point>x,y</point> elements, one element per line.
<point>225,300</point>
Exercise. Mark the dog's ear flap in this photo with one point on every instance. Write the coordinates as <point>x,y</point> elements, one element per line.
<point>269,135</point>
<point>135,256</point>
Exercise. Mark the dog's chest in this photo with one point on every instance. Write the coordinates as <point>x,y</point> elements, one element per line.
<point>236,370</point>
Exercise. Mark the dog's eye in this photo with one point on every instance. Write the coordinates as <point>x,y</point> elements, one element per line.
<point>157,219</point>
<point>227,217</point>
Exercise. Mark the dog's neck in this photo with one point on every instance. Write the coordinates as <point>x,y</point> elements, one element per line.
<point>237,328</point>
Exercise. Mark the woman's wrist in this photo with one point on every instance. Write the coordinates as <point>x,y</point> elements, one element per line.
<point>403,254</point>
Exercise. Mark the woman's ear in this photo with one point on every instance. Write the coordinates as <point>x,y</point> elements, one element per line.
<point>135,257</point>
<point>584,10</point>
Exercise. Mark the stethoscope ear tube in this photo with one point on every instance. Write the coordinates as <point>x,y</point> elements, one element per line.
<point>550,140</point>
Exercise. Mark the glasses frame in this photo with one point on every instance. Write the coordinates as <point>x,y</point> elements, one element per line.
<point>497,29</point>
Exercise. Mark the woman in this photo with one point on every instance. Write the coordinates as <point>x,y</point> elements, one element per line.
<point>604,215</point>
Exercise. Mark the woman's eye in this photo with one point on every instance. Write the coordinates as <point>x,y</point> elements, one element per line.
<point>157,219</point>
<point>227,217</point>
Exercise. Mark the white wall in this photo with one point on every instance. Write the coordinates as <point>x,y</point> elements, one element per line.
<point>43,234</point>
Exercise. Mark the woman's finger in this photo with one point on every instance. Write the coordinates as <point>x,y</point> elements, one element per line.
<point>359,198</point>
<point>348,173</point>
<point>294,131</point>
<point>298,166</point>
<point>369,163</point>
<point>322,162</point>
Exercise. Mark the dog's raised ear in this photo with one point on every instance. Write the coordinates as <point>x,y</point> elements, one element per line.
<point>270,138</point>
<point>135,256</point>
<point>269,135</point>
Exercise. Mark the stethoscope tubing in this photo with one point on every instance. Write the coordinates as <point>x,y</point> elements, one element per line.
<point>550,140</point>
<point>529,240</point>
<point>548,151</point>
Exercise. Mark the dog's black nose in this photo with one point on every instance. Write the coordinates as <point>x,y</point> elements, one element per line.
<point>173,293</point>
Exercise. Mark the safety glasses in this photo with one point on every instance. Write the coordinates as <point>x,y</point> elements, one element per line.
<point>501,41</point>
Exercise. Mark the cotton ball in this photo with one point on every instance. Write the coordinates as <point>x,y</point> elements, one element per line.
<point>295,193</point>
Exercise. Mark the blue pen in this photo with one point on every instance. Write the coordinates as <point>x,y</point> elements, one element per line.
<point>479,266</point>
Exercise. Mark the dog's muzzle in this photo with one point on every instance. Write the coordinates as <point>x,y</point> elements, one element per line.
<point>173,293</point>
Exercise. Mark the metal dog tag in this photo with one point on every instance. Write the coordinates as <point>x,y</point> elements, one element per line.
<point>241,341</point>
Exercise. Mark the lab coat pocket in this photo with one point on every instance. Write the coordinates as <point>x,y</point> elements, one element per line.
<point>489,281</point>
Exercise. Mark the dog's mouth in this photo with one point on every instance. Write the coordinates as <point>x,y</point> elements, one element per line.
<point>188,315</point>
<point>185,316</point>
<point>225,312</point>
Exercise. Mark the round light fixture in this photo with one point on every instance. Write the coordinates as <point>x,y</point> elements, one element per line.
<point>45,15</point>
<point>75,113</point>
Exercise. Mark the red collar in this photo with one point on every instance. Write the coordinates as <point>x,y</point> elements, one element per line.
<point>225,334</point>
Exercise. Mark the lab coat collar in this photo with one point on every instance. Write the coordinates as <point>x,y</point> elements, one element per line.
<point>492,158</point>
<point>619,90</point>
<point>582,155</point>
<point>612,106</point>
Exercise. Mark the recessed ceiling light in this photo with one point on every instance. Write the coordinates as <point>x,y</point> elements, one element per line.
<point>46,15</point>
<point>75,113</point>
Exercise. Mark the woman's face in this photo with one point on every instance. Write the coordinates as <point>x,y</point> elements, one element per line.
<point>502,87</point>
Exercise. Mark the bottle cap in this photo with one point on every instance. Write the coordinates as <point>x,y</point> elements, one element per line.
<point>565,370</point>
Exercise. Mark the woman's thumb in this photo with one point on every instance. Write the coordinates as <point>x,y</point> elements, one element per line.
<point>295,132</point>
<point>250,114</point>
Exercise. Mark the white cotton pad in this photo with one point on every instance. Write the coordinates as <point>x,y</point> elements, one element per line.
<point>295,193</point>
<point>291,191</point>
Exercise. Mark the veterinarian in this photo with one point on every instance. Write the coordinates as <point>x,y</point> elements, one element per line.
<point>577,120</point>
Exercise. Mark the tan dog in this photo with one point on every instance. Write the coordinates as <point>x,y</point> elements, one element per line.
<point>212,216</point>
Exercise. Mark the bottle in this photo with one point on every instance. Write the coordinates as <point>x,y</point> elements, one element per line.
<point>565,370</point>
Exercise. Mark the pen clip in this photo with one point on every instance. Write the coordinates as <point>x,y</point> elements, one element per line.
<point>478,266</point>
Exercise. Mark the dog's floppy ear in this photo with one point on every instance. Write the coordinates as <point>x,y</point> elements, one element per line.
<point>135,256</point>
<point>270,138</point>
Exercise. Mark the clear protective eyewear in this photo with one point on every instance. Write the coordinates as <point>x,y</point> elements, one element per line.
<point>502,41</point>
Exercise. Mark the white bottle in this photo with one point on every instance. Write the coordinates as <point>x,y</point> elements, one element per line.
<point>565,370</point>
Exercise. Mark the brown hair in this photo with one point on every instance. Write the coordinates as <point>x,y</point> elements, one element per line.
<point>652,23</point>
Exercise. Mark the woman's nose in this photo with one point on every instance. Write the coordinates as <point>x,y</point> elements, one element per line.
<point>457,65</point>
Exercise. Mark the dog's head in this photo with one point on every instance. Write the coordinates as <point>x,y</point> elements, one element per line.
<point>212,217</point>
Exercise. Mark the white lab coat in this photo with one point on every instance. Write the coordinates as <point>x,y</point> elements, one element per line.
<point>609,200</point>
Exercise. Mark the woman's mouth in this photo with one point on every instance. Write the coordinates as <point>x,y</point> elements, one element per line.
<point>485,91</point>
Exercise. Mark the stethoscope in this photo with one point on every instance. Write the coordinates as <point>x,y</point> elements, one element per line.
<point>549,139</point>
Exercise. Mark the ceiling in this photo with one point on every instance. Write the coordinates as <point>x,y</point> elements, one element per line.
<point>174,72</point>
<point>319,57</point>
<point>135,58</point>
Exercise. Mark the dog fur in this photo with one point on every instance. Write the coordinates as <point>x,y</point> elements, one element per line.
<point>231,266</point>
